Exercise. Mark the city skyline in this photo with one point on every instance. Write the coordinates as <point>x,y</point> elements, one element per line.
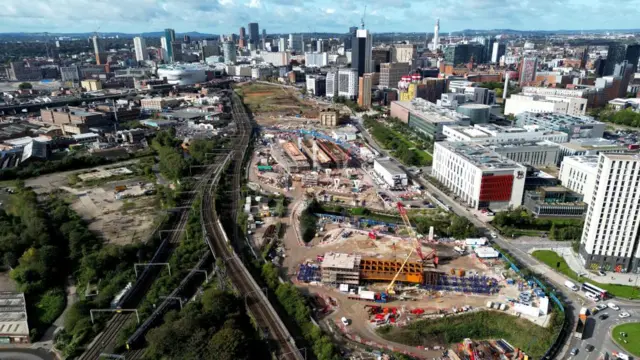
<point>279,16</point>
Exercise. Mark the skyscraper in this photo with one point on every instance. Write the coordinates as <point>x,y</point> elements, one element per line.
<point>528,69</point>
<point>141,48</point>
<point>254,34</point>
<point>243,38</point>
<point>361,52</point>
<point>620,52</point>
<point>610,234</point>
<point>101,57</point>
<point>229,50</point>
<point>497,52</point>
<point>436,35</point>
<point>170,37</point>
<point>348,41</point>
<point>296,42</point>
<point>165,49</point>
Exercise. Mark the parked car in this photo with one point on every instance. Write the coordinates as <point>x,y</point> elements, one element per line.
<point>345,321</point>
<point>589,347</point>
<point>602,273</point>
<point>574,351</point>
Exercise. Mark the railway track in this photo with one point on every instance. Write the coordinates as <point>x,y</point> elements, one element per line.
<point>106,340</point>
<point>258,304</point>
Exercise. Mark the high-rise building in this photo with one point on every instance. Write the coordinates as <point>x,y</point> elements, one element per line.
<point>319,45</point>
<point>436,35</point>
<point>348,83</point>
<point>254,34</point>
<point>186,39</point>
<point>391,73</point>
<point>620,52</point>
<point>101,57</point>
<point>364,92</point>
<point>528,68</point>
<point>141,48</point>
<point>296,43</point>
<point>404,53</point>
<point>243,38</point>
<point>348,41</point>
<point>460,54</point>
<point>380,56</point>
<point>170,37</point>
<point>176,51</point>
<point>610,235</point>
<point>229,51</point>
<point>361,52</point>
<point>282,44</point>
<point>497,52</point>
<point>331,84</point>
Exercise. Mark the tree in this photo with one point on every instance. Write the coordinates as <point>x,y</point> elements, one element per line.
<point>228,344</point>
<point>25,86</point>
<point>199,148</point>
<point>461,228</point>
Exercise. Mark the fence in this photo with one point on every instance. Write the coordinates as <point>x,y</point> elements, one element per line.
<point>566,330</point>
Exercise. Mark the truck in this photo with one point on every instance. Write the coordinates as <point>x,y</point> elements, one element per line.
<point>581,323</point>
<point>571,285</point>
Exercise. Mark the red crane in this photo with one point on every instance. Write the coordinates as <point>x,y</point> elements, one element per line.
<point>405,218</point>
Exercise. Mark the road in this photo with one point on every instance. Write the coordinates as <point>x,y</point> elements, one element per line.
<point>572,301</point>
<point>25,354</point>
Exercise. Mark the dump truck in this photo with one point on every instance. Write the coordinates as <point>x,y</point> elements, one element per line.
<point>581,323</point>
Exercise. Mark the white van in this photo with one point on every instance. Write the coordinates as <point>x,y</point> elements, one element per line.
<point>592,296</point>
<point>571,285</point>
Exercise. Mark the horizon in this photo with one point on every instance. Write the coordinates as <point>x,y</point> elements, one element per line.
<point>319,16</point>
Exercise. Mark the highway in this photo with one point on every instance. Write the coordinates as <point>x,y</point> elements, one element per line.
<point>258,305</point>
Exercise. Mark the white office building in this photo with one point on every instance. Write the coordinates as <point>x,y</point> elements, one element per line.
<point>164,46</point>
<point>348,83</point>
<point>332,84</point>
<point>319,59</point>
<point>496,134</point>
<point>390,172</point>
<point>282,44</point>
<point>578,173</point>
<point>518,104</point>
<point>579,93</point>
<point>478,176</point>
<point>534,153</point>
<point>280,58</point>
<point>610,234</point>
<point>575,126</point>
<point>141,49</point>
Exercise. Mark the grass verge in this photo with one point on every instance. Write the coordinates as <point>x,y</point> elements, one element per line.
<point>557,262</point>
<point>521,333</point>
<point>633,337</point>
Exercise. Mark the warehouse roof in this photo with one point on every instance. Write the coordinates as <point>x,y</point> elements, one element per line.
<point>390,166</point>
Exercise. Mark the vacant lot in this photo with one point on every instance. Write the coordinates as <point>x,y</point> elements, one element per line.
<point>272,100</point>
<point>484,325</point>
<point>633,337</point>
<point>552,259</point>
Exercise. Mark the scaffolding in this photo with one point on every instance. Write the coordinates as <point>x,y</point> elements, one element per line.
<point>385,270</point>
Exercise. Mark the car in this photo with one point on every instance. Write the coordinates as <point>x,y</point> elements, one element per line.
<point>603,317</point>
<point>574,351</point>
<point>601,306</point>
<point>494,235</point>
<point>589,348</point>
<point>613,306</point>
<point>592,296</point>
<point>345,321</point>
<point>602,273</point>
<point>624,314</point>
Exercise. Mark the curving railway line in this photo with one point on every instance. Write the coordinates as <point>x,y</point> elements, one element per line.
<point>258,304</point>
<point>106,340</point>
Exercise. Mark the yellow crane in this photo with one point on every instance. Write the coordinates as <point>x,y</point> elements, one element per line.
<point>417,248</point>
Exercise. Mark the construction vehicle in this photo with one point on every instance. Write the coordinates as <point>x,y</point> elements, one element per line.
<point>418,248</point>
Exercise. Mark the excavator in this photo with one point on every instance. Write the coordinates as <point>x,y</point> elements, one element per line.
<point>433,255</point>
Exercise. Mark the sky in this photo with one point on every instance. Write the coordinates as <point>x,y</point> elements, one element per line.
<point>285,16</point>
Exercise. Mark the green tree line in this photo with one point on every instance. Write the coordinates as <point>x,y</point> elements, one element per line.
<point>520,218</point>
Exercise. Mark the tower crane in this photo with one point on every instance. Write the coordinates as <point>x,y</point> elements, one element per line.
<point>433,255</point>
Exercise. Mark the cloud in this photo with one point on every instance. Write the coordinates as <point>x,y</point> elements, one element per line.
<point>284,16</point>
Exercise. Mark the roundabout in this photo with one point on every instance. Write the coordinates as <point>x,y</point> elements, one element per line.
<point>627,337</point>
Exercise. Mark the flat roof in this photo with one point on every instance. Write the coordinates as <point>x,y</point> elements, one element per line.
<point>516,144</point>
<point>481,156</point>
<point>587,160</point>
<point>391,166</point>
<point>625,157</point>
<point>431,112</point>
<point>558,119</point>
<point>341,261</point>
<point>13,314</point>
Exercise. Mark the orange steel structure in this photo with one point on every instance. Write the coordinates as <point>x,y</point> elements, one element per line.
<point>386,270</point>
